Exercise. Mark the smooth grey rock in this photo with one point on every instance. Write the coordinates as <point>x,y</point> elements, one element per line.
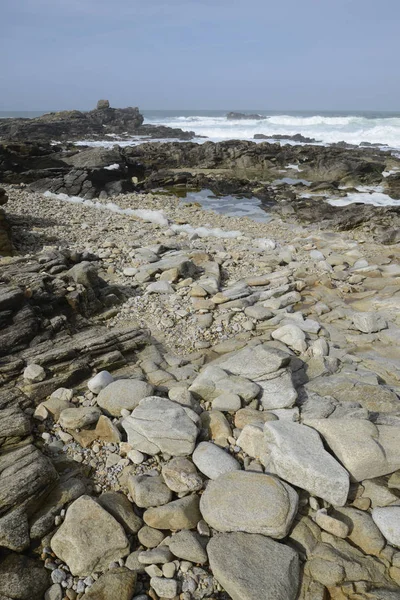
<point>156,556</point>
<point>189,546</point>
<point>164,588</point>
<point>34,373</point>
<point>214,381</point>
<point>116,584</point>
<point>368,322</point>
<point>179,514</point>
<point>123,394</point>
<point>118,505</point>
<point>251,567</point>
<point>100,381</point>
<point>292,336</point>
<point>250,502</point>
<point>54,592</point>
<point>160,287</point>
<point>149,491</point>
<point>213,461</point>
<point>159,425</point>
<point>277,390</point>
<point>298,456</point>
<point>89,538</point>
<point>79,418</point>
<point>227,402</point>
<point>254,362</point>
<point>365,450</point>
<point>363,532</point>
<point>388,521</point>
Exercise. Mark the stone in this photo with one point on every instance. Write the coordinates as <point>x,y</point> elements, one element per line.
<point>62,394</point>
<point>118,505</point>
<point>214,381</point>
<point>148,491</point>
<point>212,461</point>
<point>100,381</point>
<point>364,449</point>
<point>164,588</point>
<point>254,362</point>
<point>277,390</point>
<point>189,546</point>
<point>330,524</point>
<point>116,583</point>
<point>378,492</point>
<point>251,416</point>
<point>387,520</point>
<point>227,402</point>
<point>297,455</point>
<point>363,532</point>
<point>252,441</point>
<point>156,556</point>
<point>54,592</point>
<point>250,567</point>
<point>14,530</point>
<point>89,538</point>
<point>368,322</point>
<point>160,287</point>
<point>55,405</point>
<point>250,502</point>
<point>216,426</point>
<point>181,476</point>
<point>178,514</point>
<point>34,373</point>
<point>160,425</point>
<point>292,336</point>
<point>23,578</point>
<point>150,537</point>
<point>105,431</point>
<point>123,394</point>
<point>132,562</point>
<point>258,312</point>
<point>79,418</point>
<point>103,104</point>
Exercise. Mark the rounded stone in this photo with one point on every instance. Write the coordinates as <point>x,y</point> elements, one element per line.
<point>123,393</point>
<point>212,461</point>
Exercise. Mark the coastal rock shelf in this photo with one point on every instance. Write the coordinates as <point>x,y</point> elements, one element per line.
<point>195,415</point>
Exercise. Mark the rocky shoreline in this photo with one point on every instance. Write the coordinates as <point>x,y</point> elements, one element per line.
<point>196,406</point>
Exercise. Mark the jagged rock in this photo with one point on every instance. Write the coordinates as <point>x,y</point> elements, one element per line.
<point>251,502</point>
<point>250,567</point>
<point>89,538</point>
<point>297,455</point>
<point>159,425</point>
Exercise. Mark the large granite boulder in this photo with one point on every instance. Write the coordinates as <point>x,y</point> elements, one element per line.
<point>250,567</point>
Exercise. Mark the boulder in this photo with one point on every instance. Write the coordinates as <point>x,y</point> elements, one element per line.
<point>23,578</point>
<point>250,502</point>
<point>250,567</point>
<point>364,449</point>
<point>387,520</point>
<point>123,394</point>
<point>297,455</point>
<point>160,425</point>
<point>89,538</point>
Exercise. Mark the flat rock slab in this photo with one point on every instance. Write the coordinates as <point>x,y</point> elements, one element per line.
<point>298,456</point>
<point>250,502</point>
<point>254,362</point>
<point>388,521</point>
<point>364,449</point>
<point>251,567</point>
<point>123,394</point>
<point>89,538</point>
<point>159,425</point>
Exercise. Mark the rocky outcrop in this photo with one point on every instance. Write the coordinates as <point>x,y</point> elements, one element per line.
<point>238,116</point>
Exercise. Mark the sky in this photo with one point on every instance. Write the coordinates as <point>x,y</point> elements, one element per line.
<point>200,54</point>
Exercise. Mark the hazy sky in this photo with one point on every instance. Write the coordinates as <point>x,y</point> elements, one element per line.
<point>216,54</point>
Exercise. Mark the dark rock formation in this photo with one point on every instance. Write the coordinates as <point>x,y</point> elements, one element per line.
<point>237,116</point>
<point>297,137</point>
<point>5,231</point>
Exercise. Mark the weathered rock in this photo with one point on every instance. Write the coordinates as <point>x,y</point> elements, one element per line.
<point>156,556</point>
<point>297,455</point>
<point>368,322</point>
<point>365,450</point>
<point>116,583</point>
<point>164,588</point>
<point>214,381</point>
<point>89,538</point>
<point>149,491</point>
<point>212,461</point>
<point>250,567</point>
<point>121,509</point>
<point>179,514</point>
<point>254,362</point>
<point>189,546</point>
<point>100,381</point>
<point>22,578</point>
<point>250,502</point>
<point>159,425</point>
<point>181,475</point>
<point>34,373</point>
<point>123,394</point>
<point>362,530</point>
<point>388,521</point>
<point>292,336</point>
<point>105,431</point>
<point>79,418</point>
<point>149,537</point>
<point>330,524</point>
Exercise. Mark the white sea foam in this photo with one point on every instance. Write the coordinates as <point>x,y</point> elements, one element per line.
<point>151,216</point>
<point>373,198</point>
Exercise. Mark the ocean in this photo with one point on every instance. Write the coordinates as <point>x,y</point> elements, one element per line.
<point>326,127</point>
